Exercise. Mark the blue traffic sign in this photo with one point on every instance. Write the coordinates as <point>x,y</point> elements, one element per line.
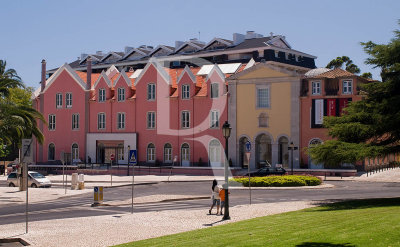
<point>248,146</point>
<point>132,157</point>
<point>96,189</point>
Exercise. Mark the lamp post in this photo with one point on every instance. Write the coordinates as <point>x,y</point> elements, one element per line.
<point>226,130</point>
<point>291,148</point>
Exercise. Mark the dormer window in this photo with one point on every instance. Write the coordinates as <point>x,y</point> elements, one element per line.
<point>151,91</point>
<point>59,100</point>
<point>68,100</point>
<point>121,94</point>
<point>347,87</point>
<point>214,90</point>
<point>185,91</point>
<point>102,95</point>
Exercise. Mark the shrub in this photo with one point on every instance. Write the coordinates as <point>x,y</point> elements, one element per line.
<point>276,181</point>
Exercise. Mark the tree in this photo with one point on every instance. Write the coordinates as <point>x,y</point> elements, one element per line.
<point>366,75</point>
<point>370,127</point>
<point>18,119</point>
<point>344,60</point>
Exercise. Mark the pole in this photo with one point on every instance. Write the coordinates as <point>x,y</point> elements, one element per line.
<point>133,183</point>
<point>226,208</point>
<point>291,150</point>
<point>27,196</point>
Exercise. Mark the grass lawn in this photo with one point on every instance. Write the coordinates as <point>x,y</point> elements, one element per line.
<point>374,222</point>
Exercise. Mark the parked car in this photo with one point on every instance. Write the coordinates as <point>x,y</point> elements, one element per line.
<point>266,171</point>
<point>35,180</point>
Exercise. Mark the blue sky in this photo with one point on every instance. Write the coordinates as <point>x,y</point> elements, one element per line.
<point>59,31</point>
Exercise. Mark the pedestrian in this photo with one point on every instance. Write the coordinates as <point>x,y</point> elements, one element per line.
<point>214,196</point>
<point>222,197</point>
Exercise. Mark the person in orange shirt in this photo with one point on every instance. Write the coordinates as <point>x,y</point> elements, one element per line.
<point>222,197</point>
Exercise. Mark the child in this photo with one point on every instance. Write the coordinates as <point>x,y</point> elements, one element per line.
<point>222,197</point>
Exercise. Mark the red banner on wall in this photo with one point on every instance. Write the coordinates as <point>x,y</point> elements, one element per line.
<point>331,107</point>
<point>342,104</point>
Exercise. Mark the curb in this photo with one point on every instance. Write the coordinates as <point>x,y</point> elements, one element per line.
<point>138,203</point>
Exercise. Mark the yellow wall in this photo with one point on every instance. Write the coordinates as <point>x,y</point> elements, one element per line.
<point>278,113</point>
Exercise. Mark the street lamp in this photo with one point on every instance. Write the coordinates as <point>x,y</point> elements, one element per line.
<point>291,148</point>
<point>226,130</point>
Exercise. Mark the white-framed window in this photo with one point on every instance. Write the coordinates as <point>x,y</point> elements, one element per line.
<point>59,100</point>
<point>214,90</point>
<point>52,122</point>
<point>214,153</point>
<point>68,100</point>
<point>101,121</point>
<point>151,120</point>
<point>167,153</point>
<point>151,91</point>
<point>316,87</point>
<point>120,153</point>
<point>151,153</point>
<point>263,97</point>
<point>51,154</point>
<point>121,94</point>
<point>347,86</point>
<point>185,91</point>
<point>75,121</point>
<point>185,119</point>
<point>121,120</point>
<point>75,151</point>
<point>102,94</point>
<point>214,119</point>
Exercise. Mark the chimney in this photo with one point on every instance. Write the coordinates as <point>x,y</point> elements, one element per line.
<point>89,73</point>
<point>238,38</point>
<point>43,81</point>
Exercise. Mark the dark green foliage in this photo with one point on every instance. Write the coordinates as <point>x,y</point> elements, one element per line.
<point>344,60</point>
<point>371,127</point>
<point>277,181</point>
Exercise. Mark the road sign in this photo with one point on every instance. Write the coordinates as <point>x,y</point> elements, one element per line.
<point>27,154</point>
<point>112,157</point>
<point>98,195</point>
<point>132,157</point>
<point>248,146</point>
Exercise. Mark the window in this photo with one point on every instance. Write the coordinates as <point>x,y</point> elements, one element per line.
<point>214,90</point>
<point>185,119</point>
<point>151,120</point>
<point>121,120</point>
<point>185,154</point>
<point>52,122</point>
<point>316,87</point>
<point>185,91</point>
<point>167,153</point>
<point>68,100</point>
<point>75,152</point>
<point>101,121</point>
<point>214,119</point>
<point>151,153</point>
<point>75,121</point>
<point>347,87</point>
<point>121,94</point>
<point>263,120</point>
<point>120,154</point>
<point>214,152</point>
<point>151,91</point>
<point>102,95</point>
<point>262,97</point>
<point>52,152</point>
<point>58,100</point>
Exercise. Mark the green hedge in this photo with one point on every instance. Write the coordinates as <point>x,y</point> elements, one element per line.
<point>276,181</point>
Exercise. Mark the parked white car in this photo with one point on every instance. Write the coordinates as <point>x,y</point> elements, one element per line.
<point>35,180</point>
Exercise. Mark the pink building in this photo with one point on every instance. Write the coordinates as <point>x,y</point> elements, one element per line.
<point>165,114</point>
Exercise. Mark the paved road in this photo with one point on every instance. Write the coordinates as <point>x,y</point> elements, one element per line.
<point>79,205</point>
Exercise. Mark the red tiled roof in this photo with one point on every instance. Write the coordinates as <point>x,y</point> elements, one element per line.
<point>83,76</point>
<point>335,73</point>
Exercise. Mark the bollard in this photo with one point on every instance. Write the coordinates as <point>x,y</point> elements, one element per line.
<point>97,196</point>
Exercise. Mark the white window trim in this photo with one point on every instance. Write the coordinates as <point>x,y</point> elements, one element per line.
<point>118,114</point>
<point>155,92</point>
<point>351,88</point>
<point>312,87</point>
<point>172,158</point>
<point>75,114</point>
<point>183,92</point>
<point>48,149</point>
<point>189,153</point>
<point>98,114</point>
<point>184,127</point>
<point>100,98</point>
<point>147,153</point>
<point>66,100</point>
<point>123,98</point>
<point>211,86</point>
<point>147,121</point>
<point>72,151</point>
<point>57,105</point>
<point>52,115</point>
<point>211,119</point>
<point>269,96</point>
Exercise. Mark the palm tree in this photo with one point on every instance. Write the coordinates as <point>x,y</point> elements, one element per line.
<point>16,120</point>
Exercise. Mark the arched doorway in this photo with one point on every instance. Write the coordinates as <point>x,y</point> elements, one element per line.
<point>214,153</point>
<point>263,151</point>
<point>311,163</point>
<point>185,154</point>
<point>100,153</point>
<point>283,152</point>
<point>243,162</point>
<point>75,153</point>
